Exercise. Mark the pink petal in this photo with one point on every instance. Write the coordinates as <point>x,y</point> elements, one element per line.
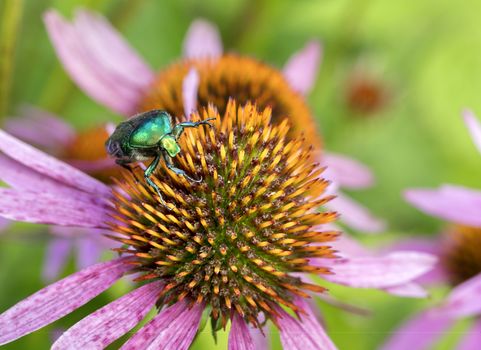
<point>346,172</point>
<point>59,299</point>
<point>202,40</point>
<point>49,166</point>
<point>99,60</point>
<point>408,290</point>
<point>41,129</point>
<point>109,323</point>
<point>354,215</point>
<point>190,86</point>
<point>381,272</point>
<point>110,128</point>
<point>464,300</point>
<point>474,127</point>
<point>472,340</point>
<point>90,166</point>
<point>22,177</point>
<point>88,251</point>
<point>305,333</point>
<point>301,69</point>
<point>424,245</point>
<point>453,203</point>
<point>46,208</point>
<point>419,333</point>
<point>239,335</point>
<point>55,258</point>
<point>172,329</point>
<point>259,339</point>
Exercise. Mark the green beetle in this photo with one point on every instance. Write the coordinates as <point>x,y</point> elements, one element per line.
<point>149,135</point>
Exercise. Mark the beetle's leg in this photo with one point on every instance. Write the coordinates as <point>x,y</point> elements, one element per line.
<point>150,169</point>
<point>170,165</point>
<point>179,128</point>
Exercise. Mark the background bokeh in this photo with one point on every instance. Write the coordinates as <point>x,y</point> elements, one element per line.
<point>424,56</point>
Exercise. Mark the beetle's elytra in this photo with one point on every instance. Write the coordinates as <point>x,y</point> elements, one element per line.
<point>149,135</point>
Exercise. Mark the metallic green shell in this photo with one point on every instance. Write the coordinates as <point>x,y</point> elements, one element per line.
<point>151,131</point>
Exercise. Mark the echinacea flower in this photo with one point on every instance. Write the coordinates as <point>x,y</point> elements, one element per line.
<point>365,93</point>
<point>459,254</point>
<point>110,72</point>
<point>233,246</point>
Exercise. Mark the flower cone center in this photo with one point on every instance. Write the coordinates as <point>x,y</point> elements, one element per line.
<point>234,240</point>
<point>462,253</point>
<point>241,78</point>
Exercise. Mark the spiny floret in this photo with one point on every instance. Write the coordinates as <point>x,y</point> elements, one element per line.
<point>233,239</point>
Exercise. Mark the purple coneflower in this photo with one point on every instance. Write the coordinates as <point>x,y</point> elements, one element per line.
<point>233,246</point>
<point>109,71</point>
<point>459,265</point>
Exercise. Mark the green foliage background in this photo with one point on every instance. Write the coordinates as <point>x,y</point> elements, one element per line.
<point>428,52</point>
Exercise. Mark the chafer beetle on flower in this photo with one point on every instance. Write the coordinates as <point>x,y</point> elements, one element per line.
<point>149,135</point>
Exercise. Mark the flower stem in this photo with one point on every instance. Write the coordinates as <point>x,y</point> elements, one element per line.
<point>12,13</point>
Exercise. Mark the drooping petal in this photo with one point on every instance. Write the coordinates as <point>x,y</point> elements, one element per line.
<point>99,60</point>
<point>305,333</point>
<point>408,290</point>
<point>20,176</point>
<point>45,208</point>
<point>109,323</point>
<point>301,69</point>
<point>453,203</point>
<point>354,215</point>
<point>91,166</point>
<point>419,333</point>
<point>55,258</point>
<point>190,86</point>
<point>431,246</point>
<point>41,128</point>
<point>49,166</point>
<point>172,329</point>
<point>472,340</point>
<point>202,40</point>
<point>59,299</point>
<point>347,172</point>
<point>474,127</point>
<point>464,300</point>
<point>260,339</point>
<point>381,272</point>
<point>88,251</point>
<point>239,335</point>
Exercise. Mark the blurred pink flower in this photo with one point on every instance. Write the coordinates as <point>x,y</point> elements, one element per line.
<point>71,198</point>
<point>110,71</point>
<point>423,330</point>
<point>459,263</point>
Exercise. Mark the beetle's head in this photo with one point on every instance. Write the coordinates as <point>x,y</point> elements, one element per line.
<point>169,143</point>
<point>114,148</point>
